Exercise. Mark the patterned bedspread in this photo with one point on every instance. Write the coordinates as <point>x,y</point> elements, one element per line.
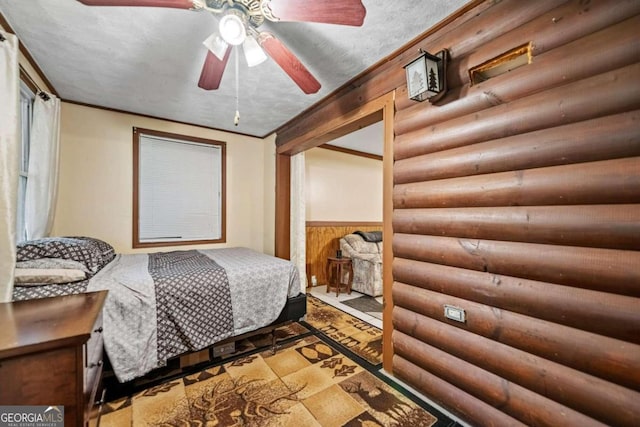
<point>189,287</point>
<point>162,305</point>
<point>21,293</point>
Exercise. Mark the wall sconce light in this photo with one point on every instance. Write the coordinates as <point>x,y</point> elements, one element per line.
<point>427,76</point>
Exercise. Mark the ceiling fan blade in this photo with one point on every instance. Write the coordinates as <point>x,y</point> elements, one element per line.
<point>178,4</point>
<point>289,63</point>
<point>343,12</point>
<point>212,70</point>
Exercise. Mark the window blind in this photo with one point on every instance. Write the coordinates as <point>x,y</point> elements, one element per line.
<point>180,186</point>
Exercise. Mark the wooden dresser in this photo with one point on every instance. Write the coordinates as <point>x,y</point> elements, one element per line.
<point>51,354</point>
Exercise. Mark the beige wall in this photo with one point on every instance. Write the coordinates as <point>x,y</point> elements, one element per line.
<point>342,187</point>
<point>95,183</point>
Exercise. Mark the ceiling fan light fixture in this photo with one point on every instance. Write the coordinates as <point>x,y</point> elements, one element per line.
<point>216,45</point>
<point>253,53</point>
<point>232,29</point>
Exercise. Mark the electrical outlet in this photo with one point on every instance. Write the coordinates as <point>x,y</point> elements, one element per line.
<point>314,281</point>
<point>455,313</point>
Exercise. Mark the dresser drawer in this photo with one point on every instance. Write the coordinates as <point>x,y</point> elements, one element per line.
<point>93,356</point>
<point>93,347</point>
<point>53,353</point>
<point>93,353</point>
<point>92,375</point>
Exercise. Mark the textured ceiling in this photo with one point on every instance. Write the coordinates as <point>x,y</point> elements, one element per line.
<point>369,139</point>
<point>148,60</point>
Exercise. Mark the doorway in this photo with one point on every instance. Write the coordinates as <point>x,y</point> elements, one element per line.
<point>379,109</point>
<point>343,189</point>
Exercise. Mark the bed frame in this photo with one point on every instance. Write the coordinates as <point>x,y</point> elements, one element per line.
<point>294,310</point>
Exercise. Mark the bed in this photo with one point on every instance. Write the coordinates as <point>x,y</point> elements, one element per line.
<point>162,305</point>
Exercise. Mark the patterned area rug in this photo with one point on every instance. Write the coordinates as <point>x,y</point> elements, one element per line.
<point>359,337</point>
<point>305,383</point>
<point>174,369</point>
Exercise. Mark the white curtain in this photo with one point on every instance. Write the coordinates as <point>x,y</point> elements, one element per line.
<point>298,253</point>
<point>9,158</point>
<point>42,182</point>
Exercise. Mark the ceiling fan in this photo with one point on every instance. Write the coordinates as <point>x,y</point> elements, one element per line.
<point>238,24</point>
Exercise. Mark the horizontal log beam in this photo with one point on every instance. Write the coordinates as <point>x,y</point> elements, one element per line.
<point>611,315</point>
<point>475,24</point>
<point>605,270</point>
<point>603,138</point>
<point>471,409</point>
<point>348,122</point>
<point>597,226</point>
<point>582,392</point>
<point>603,182</point>
<point>615,92</point>
<point>515,400</point>
<point>486,26</point>
<point>563,39</point>
<point>607,358</point>
<point>572,21</point>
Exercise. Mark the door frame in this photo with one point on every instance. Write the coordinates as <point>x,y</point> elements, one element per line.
<point>382,108</point>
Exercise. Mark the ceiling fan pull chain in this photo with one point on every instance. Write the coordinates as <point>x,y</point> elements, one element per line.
<point>236,119</point>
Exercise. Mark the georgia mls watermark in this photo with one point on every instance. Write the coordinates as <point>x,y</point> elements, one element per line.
<point>31,416</point>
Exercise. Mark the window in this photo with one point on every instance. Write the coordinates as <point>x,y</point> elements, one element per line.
<point>26,116</point>
<point>178,189</point>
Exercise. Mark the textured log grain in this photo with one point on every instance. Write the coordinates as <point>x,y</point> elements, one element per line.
<point>572,21</point>
<point>616,46</point>
<point>611,315</point>
<point>475,411</point>
<point>607,358</point>
<point>461,35</point>
<point>520,157</point>
<point>604,138</point>
<point>515,400</point>
<point>599,399</point>
<point>615,91</point>
<point>603,182</point>
<point>606,270</point>
<point>597,226</point>
<point>489,24</point>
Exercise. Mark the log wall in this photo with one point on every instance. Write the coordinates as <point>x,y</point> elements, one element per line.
<point>518,200</point>
<point>323,240</point>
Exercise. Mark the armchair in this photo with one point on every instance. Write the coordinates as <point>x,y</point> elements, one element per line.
<point>366,258</point>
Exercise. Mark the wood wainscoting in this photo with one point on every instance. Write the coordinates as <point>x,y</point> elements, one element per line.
<point>323,240</point>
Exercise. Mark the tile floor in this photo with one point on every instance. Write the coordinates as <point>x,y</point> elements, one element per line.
<point>321,293</point>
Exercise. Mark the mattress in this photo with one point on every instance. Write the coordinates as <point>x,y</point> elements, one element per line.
<point>163,305</point>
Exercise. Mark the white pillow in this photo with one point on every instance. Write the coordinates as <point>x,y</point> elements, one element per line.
<point>55,263</point>
<point>40,276</point>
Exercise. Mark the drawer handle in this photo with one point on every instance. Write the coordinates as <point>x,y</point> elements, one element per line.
<point>99,330</point>
<point>93,365</point>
